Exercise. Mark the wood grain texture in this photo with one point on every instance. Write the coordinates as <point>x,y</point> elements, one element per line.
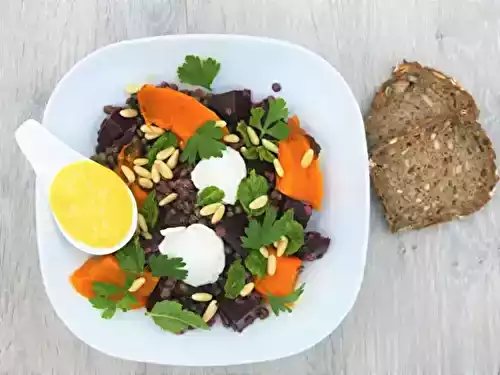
<point>430,302</point>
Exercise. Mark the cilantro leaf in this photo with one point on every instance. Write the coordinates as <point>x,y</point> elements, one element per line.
<point>256,115</point>
<point>166,140</point>
<point>109,312</point>
<point>277,111</point>
<point>197,71</point>
<point>258,235</point>
<point>162,265</point>
<point>204,144</point>
<point>170,316</point>
<point>131,257</point>
<point>236,279</point>
<point>209,195</point>
<point>256,264</point>
<point>275,120</point>
<point>294,232</point>
<point>250,188</point>
<point>280,130</point>
<point>127,301</point>
<point>282,304</point>
<point>102,289</point>
<point>100,302</point>
<point>150,210</point>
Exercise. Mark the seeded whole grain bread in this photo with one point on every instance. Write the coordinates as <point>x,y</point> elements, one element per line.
<point>413,94</point>
<point>446,170</point>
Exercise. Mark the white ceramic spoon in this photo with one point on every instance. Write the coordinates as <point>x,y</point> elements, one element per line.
<point>48,155</point>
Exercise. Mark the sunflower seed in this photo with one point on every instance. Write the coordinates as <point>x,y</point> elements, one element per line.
<point>270,146</point>
<point>258,202</point>
<point>202,297</point>
<point>219,214</point>
<point>279,169</point>
<point>247,289</point>
<point>155,174</point>
<point>142,172</point>
<point>146,183</point>
<point>210,311</point>
<point>168,199</point>
<point>133,88</point>
<point>307,158</point>
<point>128,173</point>
<point>209,209</point>
<point>165,153</point>
<point>137,284</point>
<point>265,253</point>
<point>164,170</point>
<point>282,245</point>
<point>173,160</point>
<point>141,161</point>
<point>231,138</point>
<point>141,221</point>
<point>271,265</point>
<point>253,136</point>
<point>220,123</point>
<point>128,113</point>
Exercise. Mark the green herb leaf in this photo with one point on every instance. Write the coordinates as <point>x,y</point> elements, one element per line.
<point>126,302</point>
<point>235,280</point>
<point>109,312</point>
<point>256,264</point>
<point>204,144</point>
<point>131,257</point>
<point>256,115</point>
<point>242,129</point>
<point>258,235</point>
<point>277,111</point>
<point>170,316</point>
<point>294,232</point>
<point>279,130</point>
<point>250,188</point>
<point>265,154</point>
<point>101,302</point>
<point>150,210</point>
<point>166,140</point>
<point>283,304</point>
<point>197,71</point>
<point>250,153</point>
<point>102,289</point>
<point>275,120</point>
<point>162,266</point>
<point>209,195</point>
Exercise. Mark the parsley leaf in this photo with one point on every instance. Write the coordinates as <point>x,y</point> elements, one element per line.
<point>166,140</point>
<point>250,188</point>
<point>236,279</point>
<point>280,130</point>
<point>170,316</point>
<point>127,301</point>
<point>275,119</point>
<point>109,312</point>
<point>102,289</point>
<point>196,71</point>
<point>105,291</point>
<point>251,153</point>
<point>256,264</point>
<point>277,111</point>
<point>265,154</point>
<point>209,195</point>
<point>294,232</point>
<point>256,115</point>
<point>162,265</point>
<point>282,304</point>
<point>100,302</point>
<point>131,257</point>
<point>150,210</point>
<point>242,129</point>
<point>261,234</point>
<point>205,143</point>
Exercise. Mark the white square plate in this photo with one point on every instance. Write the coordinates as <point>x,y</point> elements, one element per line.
<point>316,92</point>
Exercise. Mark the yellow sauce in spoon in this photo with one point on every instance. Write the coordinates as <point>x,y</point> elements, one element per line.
<point>92,204</point>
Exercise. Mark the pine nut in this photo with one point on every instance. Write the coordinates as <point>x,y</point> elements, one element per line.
<point>147,236</point>
<point>141,221</point>
<point>258,202</point>
<point>155,174</point>
<point>247,289</point>
<point>282,245</point>
<point>231,138</point>
<point>141,161</point>
<point>151,136</point>
<point>142,172</point>
<point>137,284</point>
<point>133,88</point>
<point>270,146</point>
<point>201,297</point>
<point>307,159</point>
<point>173,160</point>
<point>219,214</point>
<point>210,311</point>
<point>164,154</point>
<point>220,123</point>
<point>157,130</point>
<point>271,265</point>
<point>279,169</point>
<point>209,209</point>
<point>253,136</point>
<point>243,149</point>
<point>127,172</point>
<point>146,129</point>
<point>168,199</point>
<point>164,170</point>
<point>128,113</point>
<point>146,183</point>
<point>265,253</point>
<point>275,244</point>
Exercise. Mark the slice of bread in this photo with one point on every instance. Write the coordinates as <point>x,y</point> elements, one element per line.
<point>413,94</point>
<point>444,171</point>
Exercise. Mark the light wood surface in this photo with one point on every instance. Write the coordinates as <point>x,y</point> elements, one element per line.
<point>430,302</point>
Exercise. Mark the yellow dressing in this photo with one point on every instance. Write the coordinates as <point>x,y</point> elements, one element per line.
<point>92,204</point>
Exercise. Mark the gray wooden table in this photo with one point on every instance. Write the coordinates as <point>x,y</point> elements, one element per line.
<point>430,302</point>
